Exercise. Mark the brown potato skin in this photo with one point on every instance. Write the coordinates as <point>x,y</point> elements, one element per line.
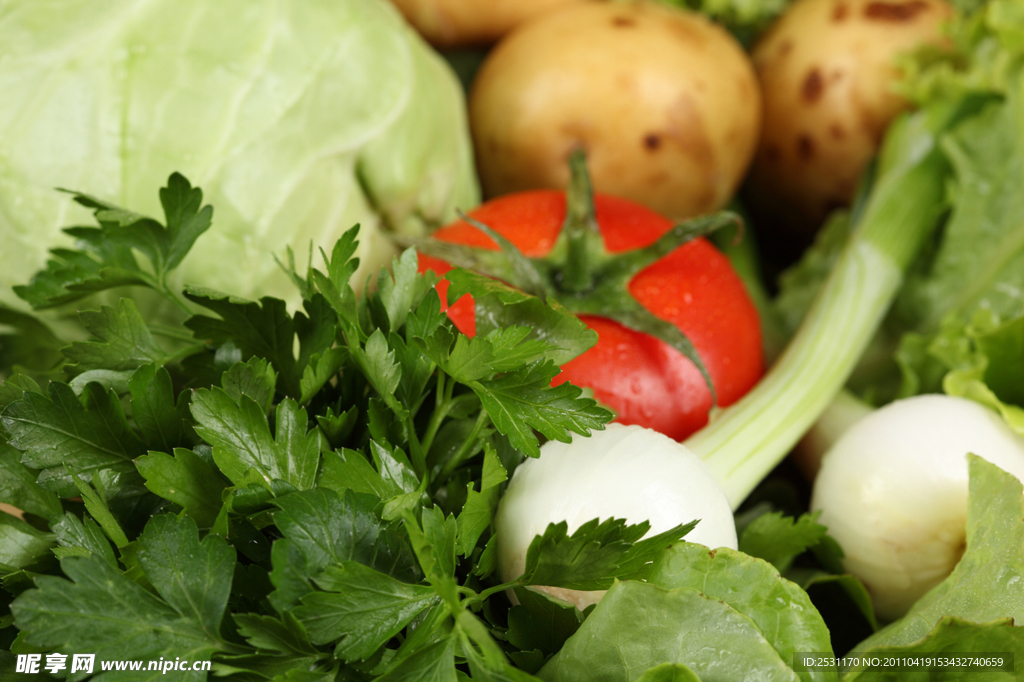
<point>458,23</point>
<point>665,103</point>
<point>827,74</point>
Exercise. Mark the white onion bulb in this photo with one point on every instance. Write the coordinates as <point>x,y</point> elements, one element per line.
<point>624,472</point>
<point>893,491</point>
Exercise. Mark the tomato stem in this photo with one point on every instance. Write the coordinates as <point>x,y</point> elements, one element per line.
<point>579,272</point>
<point>580,235</point>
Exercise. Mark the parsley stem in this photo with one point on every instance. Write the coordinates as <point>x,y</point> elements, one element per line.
<point>169,332</point>
<point>176,299</point>
<point>230,648</point>
<point>473,631</point>
<point>468,446</point>
<point>491,591</point>
<point>419,458</point>
<point>442,401</point>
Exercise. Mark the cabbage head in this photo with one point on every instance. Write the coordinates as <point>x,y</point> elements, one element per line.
<point>298,120</point>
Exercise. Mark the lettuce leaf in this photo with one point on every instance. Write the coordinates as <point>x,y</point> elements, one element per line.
<point>638,626</point>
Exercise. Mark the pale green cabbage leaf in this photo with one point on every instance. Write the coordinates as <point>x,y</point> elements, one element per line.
<point>298,119</point>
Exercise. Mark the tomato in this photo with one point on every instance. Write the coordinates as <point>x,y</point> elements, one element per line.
<point>645,380</point>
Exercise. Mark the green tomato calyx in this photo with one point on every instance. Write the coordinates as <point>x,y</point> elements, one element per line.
<point>580,272</point>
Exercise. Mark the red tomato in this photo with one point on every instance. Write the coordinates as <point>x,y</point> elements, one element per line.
<point>642,378</point>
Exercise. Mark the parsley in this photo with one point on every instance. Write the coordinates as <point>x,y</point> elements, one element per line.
<point>300,495</point>
<point>105,257</point>
<point>99,609</point>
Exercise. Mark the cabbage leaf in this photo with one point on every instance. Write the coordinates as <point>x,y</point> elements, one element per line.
<point>298,119</point>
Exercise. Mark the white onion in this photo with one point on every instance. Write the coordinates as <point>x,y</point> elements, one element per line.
<point>893,492</point>
<point>624,472</point>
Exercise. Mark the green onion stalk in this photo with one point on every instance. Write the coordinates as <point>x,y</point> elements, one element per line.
<point>746,440</point>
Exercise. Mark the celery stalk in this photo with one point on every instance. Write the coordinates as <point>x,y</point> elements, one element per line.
<point>746,440</point>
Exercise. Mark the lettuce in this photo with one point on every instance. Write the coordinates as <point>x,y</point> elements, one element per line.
<point>746,19</point>
<point>975,263</point>
<point>298,119</point>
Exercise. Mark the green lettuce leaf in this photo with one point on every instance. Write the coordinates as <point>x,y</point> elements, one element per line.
<point>981,360</point>
<point>780,610</point>
<point>638,626</point>
<point>955,636</point>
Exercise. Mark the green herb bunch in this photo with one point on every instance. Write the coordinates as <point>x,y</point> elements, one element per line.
<point>301,496</point>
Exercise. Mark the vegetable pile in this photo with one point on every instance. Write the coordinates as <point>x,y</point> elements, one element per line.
<point>310,495</point>
<point>413,475</point>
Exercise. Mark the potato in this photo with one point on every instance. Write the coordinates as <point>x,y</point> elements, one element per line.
<point>454,23</point>
<point>827,76</point>
<point>664,102</point>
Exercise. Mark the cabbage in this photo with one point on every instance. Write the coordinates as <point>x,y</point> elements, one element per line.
<point>298,119</point>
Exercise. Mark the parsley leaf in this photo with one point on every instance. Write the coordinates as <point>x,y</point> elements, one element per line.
<point>100,610</point>
<point>319,370</point>
<point>350,470</point>
<point>161,421</point>
<point>96,505</point>
<point>432,663</point>
<point>322,528</point>
<point>18,486</point>
<point>524,398</point>
<point>193,577</point>
<point>541,622</point>
<point>378,365</point>
<point>264,330</point>
<point>479,508</point>
<point>597,553</point>
<point>362,607</point>
<point>91,434</point>
<point>104,257</point>
<point>285,635</point>
<point>779,539</point>
<point>21,545</point>
<point>125,341</point>
<point>82,538</point>
<point>29,344</point>
<point>500,306</point>
<point>241,438</point>
<point>255,378</point>
<point>399,289</point>
<point>433,540</point>
<point>186,218</point>
<point>187,480</point>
